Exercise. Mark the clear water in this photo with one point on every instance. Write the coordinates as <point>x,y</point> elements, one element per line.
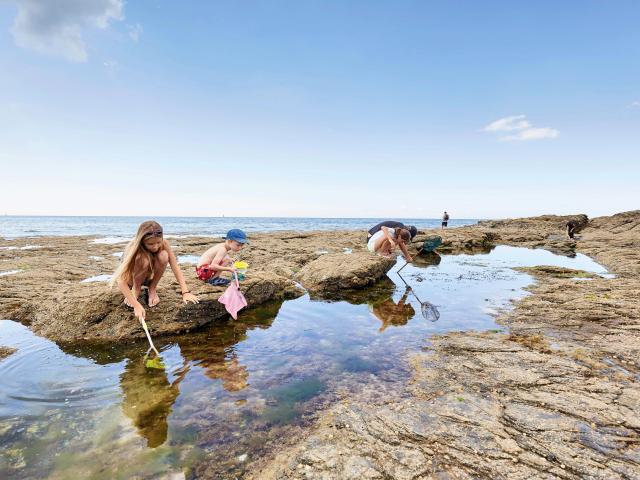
<point>231,391</point>
<point>14,227</point>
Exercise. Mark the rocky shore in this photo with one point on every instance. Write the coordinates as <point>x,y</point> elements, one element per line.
<point>556,397</point>
<point>47,290</point>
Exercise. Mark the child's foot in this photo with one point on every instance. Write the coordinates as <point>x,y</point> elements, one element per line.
<point>154,299</point>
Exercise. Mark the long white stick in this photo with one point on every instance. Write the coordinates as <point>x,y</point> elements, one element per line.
<point>146,330</point>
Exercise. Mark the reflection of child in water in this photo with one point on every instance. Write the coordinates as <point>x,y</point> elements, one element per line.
<point>148,399</point>
<point>390,313</point>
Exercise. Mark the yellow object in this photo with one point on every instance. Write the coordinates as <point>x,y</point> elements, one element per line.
<point>241,265</point>
<point>155,362</point>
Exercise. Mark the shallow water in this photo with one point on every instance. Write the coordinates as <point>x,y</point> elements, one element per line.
<point>232,390</point>
<point>9,272</point>
<point>97,278</point>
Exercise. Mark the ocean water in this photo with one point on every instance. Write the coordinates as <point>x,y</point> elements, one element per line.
<point>15,226</point>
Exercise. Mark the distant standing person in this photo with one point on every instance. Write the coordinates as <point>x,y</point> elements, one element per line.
<point>445,220</point>
<point>572,226</point>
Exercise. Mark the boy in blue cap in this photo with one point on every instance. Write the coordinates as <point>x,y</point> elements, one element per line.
<point>217,260</point>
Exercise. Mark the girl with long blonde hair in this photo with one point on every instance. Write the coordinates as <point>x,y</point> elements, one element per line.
<point>143,263</point>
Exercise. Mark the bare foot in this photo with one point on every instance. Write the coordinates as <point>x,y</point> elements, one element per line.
<point>154,299</point>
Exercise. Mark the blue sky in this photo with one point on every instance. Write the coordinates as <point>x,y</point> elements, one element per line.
<point>319,108</point>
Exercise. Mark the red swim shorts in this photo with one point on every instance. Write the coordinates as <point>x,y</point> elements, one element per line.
<point>204,272</point>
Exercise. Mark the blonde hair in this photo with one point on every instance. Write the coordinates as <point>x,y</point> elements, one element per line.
<point>135,246</point>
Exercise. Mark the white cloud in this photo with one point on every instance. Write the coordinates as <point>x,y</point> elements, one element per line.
<point>635,104</point>
<point>532,134</point>
<point>56,27</point>
<point>507,124</point>
<point>135,31</point>
<point>523,129</point>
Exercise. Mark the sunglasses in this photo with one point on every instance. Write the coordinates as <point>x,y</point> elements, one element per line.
<point>153,233</point>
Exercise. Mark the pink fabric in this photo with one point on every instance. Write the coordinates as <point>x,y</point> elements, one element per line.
<point>233,299</point>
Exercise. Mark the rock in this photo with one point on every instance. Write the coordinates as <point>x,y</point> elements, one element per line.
<point>5,352</point>
<point>332,273</point>
<point>104,316</point>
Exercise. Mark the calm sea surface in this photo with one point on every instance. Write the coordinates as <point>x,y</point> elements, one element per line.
<point>13,227</point>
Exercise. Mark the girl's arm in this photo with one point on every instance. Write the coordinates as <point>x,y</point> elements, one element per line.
<point>388,235</point>
<point>138,309</point>
<point>187,296</point>
<point>405,251</point>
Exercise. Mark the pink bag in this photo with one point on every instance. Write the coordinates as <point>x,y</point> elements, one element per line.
<point>233,299</point>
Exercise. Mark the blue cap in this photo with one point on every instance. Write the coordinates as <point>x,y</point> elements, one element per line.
<point>237,235</point>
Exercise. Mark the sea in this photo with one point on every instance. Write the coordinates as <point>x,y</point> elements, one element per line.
<point>36,226</point>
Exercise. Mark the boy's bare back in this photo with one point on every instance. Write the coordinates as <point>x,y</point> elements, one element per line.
<point>214,256</point>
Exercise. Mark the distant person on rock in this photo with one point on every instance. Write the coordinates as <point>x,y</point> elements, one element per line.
<point>386,239</point>
<point>143,263</point>
<point>445,220</point>
<point>572,227</point>
<point>217,260</point>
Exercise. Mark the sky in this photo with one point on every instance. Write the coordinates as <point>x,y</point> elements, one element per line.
<point>328,108</point>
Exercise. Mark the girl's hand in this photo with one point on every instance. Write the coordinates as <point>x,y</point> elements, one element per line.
<point>138,311</point>
<point>189,298</point>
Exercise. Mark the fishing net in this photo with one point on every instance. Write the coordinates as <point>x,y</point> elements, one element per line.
<point>429,311</point>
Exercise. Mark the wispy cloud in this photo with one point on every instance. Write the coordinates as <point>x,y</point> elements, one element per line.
<point>635,104</point>
<point>520,129</point>
<point>56,27</point>
<point>134,32</point>
<point>507,124</point>
<point>112,67</point>
<point>532,134</point>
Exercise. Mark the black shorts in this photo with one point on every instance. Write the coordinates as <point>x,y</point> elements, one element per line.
<point>444,224</point>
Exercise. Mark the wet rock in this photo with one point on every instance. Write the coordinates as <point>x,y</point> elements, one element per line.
<point>6,351</point>
<point>332,273</point>
<point>102,315</point>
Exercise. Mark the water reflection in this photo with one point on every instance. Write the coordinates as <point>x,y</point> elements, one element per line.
<point>148,398</point>
<point>392,313</point>
<point>426,259</point>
